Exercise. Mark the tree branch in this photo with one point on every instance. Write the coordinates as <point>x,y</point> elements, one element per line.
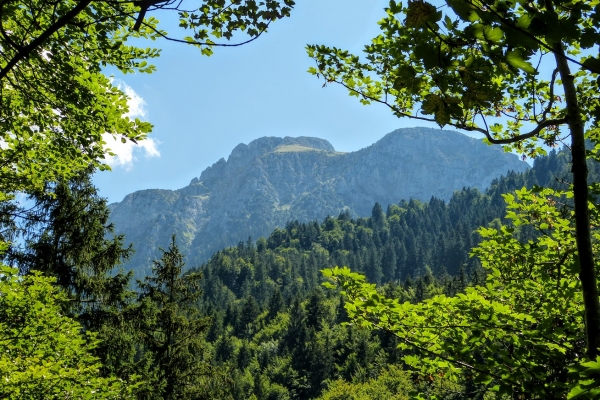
<point>542,125</point>
<point>532,37</point>
<point>551,103</point>
<point>534,132</point>
<point>161,34</point>
<point>26,51</point>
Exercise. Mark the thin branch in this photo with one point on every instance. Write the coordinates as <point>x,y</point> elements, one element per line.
<point>161,34</point>
<point>384,102</point>
<point>534,97</point>
<point>551,103</point>
<point>144,7</point>
<point>532,133</point>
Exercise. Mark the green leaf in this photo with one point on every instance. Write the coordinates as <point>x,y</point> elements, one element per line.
<point>483,379</point>
<point>493,34</point>
<point>514,58</point>
<point>593,64</point>
<point>418,13</point>
<point>524,21</point>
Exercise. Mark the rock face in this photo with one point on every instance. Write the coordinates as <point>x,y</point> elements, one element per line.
<point>271,180</point>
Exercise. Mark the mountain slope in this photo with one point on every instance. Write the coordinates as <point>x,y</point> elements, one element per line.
<point>274,180</point>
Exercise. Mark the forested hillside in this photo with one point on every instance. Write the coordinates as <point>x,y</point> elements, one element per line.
<point>255,317</point>
<point>278,331</point>
<point>271,181</point>
<point>408,240</point>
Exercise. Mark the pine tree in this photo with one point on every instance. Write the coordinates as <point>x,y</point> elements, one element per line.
<point>276,304</point>
<point>316,311</point>
<point>172,329</point>
<point>377,217</point>
<point>248,315</point>
<point>388,263</point>
<point>66,235</point>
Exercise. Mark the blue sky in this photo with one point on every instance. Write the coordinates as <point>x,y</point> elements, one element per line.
<point>202,107</point>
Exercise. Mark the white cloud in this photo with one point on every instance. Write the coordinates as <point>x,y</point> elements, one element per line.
<point>137,105</point>
<point>125,153</point>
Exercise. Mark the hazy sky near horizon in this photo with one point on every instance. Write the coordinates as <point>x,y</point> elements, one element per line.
<point>202,107</point>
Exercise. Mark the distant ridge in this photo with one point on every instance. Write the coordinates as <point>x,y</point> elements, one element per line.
<point>272,180</point>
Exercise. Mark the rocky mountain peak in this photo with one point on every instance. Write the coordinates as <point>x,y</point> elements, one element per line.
<point>245,154</point>
<point>270,181</point>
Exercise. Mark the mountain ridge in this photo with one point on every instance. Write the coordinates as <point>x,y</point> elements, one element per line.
<point>269,181</point>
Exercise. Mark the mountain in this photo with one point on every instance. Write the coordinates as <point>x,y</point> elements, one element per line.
<point>272,180</point>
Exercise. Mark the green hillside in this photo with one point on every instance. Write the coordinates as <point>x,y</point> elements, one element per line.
<point>279,333</point>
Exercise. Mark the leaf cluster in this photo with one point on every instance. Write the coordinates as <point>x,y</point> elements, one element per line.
<point>476,65</point>
<point>43,353</point>
<point>518,333</point>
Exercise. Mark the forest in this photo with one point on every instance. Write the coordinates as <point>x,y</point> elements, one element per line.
<point>491,295</point>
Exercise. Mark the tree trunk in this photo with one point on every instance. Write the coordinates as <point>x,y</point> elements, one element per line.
<point>587,273</point>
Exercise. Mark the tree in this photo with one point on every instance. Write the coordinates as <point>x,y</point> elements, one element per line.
<point>249,313</point>
<point>56,103</point>
<point>316,310</point>
<point>65,235</point>
<point>172,329</point>
<point>275,305</point>
<point>393,383</point>
<point>377,217</point>
<point>43,353</point>
<point>520,332</point>
<point>481,66</point>
<point>388,263</point>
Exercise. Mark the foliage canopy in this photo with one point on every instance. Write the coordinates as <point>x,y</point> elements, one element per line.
<point>55,101</point>
<point>519,72</point>
<point>43,353</point>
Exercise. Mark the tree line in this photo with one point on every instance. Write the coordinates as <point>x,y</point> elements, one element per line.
<point>253,320</point>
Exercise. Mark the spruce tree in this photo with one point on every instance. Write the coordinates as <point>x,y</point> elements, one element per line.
<point>249,313</point>
<point>276,304</point>
<point>172,329</point>
<point>316,311</point>
<point>66,235</point>
<point>388,263</point>
<point>377,217</point>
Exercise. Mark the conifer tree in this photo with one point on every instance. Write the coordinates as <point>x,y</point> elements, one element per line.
<point>67,235</point>
<point>315,310</point>
<point>172,329</point>
<point>377,217</point>
<point>249,313</point>
<point>388,263</point>
<point>276,304</point>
